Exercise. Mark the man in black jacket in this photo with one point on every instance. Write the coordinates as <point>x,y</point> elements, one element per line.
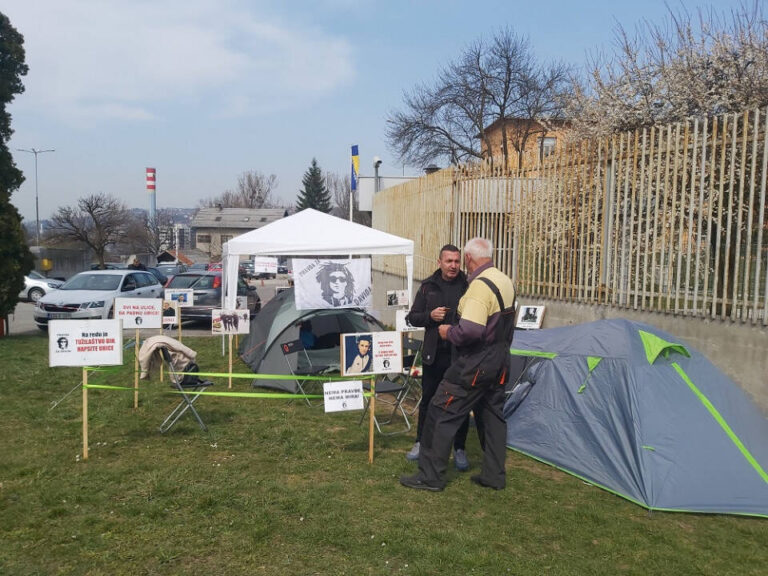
<point>435,304</point>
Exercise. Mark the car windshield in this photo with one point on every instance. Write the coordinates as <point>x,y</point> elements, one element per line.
<point>36,275</point>
<point>93,282</point>
<point>188,281</point>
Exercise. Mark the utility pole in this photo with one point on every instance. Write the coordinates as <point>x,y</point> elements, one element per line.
<point>35,151</point>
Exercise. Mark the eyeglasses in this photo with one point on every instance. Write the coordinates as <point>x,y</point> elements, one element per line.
<point>338,279</point>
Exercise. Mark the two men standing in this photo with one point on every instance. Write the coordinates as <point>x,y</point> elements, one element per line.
<point>475,378</point>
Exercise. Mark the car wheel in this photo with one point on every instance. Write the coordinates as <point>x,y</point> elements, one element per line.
<point>35,294</point>
<point>43,327</point>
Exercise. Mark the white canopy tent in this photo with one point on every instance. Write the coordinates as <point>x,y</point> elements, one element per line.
<point>310,233</point>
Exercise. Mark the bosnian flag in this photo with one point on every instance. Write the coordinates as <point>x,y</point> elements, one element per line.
<point>355,167</point>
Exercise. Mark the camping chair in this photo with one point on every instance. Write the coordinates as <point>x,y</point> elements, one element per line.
<point>307,369</point>
<point>391,393</point>
<point>189,388</point>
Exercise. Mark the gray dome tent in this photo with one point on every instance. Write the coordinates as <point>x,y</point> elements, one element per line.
<point>279,322</point>
<point>629,408</point>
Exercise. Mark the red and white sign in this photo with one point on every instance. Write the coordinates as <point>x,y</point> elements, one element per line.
<point>139,312</point>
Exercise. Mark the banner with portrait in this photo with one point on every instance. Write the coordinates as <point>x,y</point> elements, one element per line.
<point>321,283</point>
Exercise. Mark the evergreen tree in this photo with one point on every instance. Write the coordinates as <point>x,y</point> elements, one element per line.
<point>15,257</point>
<point>315,194</point>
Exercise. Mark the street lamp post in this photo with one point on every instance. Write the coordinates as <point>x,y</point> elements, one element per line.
<point>35,151</point>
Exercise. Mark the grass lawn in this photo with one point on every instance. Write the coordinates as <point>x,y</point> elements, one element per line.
<point>279,488</point>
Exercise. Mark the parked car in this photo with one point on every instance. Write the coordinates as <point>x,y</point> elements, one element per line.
<point>282,269</point>
<point>172,269</point>
<point>206,296</point>
<point>109,266</point>
<point>199,266</point>
<point>36,286</point>
<point>162,278</point>
<point>92,294</point>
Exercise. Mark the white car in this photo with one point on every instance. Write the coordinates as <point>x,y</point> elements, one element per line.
<point>36,286</point>
<point>92,294</point>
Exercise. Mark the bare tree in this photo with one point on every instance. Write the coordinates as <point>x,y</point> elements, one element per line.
<point>490,82</point>
<point>143,236</point>
<point>685,67</point>
<point>98,221</point>
<point>254,190</point>
<point>339,187</point>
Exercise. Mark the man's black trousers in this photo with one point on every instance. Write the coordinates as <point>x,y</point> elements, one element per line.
<point>430,379</point>
<point>450,406</point>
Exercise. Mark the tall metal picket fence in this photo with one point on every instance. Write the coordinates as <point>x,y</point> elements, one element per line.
<point>670,218</point>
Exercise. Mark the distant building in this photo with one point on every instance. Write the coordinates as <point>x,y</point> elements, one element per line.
<point>212,227</point>
<point>535,139</point>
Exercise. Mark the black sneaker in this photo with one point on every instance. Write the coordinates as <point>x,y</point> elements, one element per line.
<point>477,479</point>
<point>417,484</point>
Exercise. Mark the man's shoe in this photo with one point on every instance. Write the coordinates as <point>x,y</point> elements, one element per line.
<point>417,484</point>
<point>460,460</point>
<point>477,479</point>
<point>414,453</point>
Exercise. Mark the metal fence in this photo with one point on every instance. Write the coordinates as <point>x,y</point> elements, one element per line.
<point>671,218</point>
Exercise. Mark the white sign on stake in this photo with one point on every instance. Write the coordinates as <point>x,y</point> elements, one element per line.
<point>230,322</point>
<point>181,297</point>
<point>343,396</point>
<point>267,264</point>
<point>85,342</point>
<point>139,312</point>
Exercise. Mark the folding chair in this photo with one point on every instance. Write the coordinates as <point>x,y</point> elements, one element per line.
<point>189,388</point>
<point>304,366</point>
<point>396,390</point>
<point>412,370</point>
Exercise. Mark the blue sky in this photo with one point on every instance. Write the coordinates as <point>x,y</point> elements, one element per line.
<point>204,90</point>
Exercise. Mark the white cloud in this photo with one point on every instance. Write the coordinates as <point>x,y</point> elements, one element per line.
<point>114,59</point>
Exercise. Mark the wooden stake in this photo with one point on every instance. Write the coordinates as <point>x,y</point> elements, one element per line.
<point>136,372</point>
<point>85,414</point>
<point>371,422</point>
<point>178,319</point>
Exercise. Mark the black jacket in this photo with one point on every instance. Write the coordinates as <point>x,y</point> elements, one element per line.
<point>429,297</point>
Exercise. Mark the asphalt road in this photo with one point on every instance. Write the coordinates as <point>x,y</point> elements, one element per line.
<point>22,322</point>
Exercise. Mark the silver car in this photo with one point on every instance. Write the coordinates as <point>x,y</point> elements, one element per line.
<point>92,294</point>
<point>36,286</point>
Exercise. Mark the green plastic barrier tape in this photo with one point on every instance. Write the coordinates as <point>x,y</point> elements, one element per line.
<point>516,352</point>
<point>723,424</point>
<point>272,395</point>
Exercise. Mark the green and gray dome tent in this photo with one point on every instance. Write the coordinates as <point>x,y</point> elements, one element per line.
<point>629,408</point>
<point>279,322</point>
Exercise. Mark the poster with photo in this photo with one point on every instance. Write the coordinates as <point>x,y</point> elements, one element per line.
<point>530,317</point>
<point>397,298</point>
<point>322,284</point>
<point>180,297</point>
<point>371,353</point>
<point>402,324</point>
<point>139,312</point>
<point>85,343</point>
<point>230,322</point>
<point>169,313</point>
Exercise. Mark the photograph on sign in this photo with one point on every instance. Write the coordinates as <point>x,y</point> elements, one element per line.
<point>397,298</point>
<point>169,313</point>
<point>530,317</point>
<point>343,396</point>
<point>181,297</point>
<point>85,343</point>
<point>402,324</point>
<point>242,303</point>
<point>322,284</point>
<point>371,353</point>
<point>139,312</point>
<point>230,322</point>
<point>265,264</point>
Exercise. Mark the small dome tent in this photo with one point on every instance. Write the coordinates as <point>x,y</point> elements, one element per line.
<point>628,408</point>
<point>279,322</point>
